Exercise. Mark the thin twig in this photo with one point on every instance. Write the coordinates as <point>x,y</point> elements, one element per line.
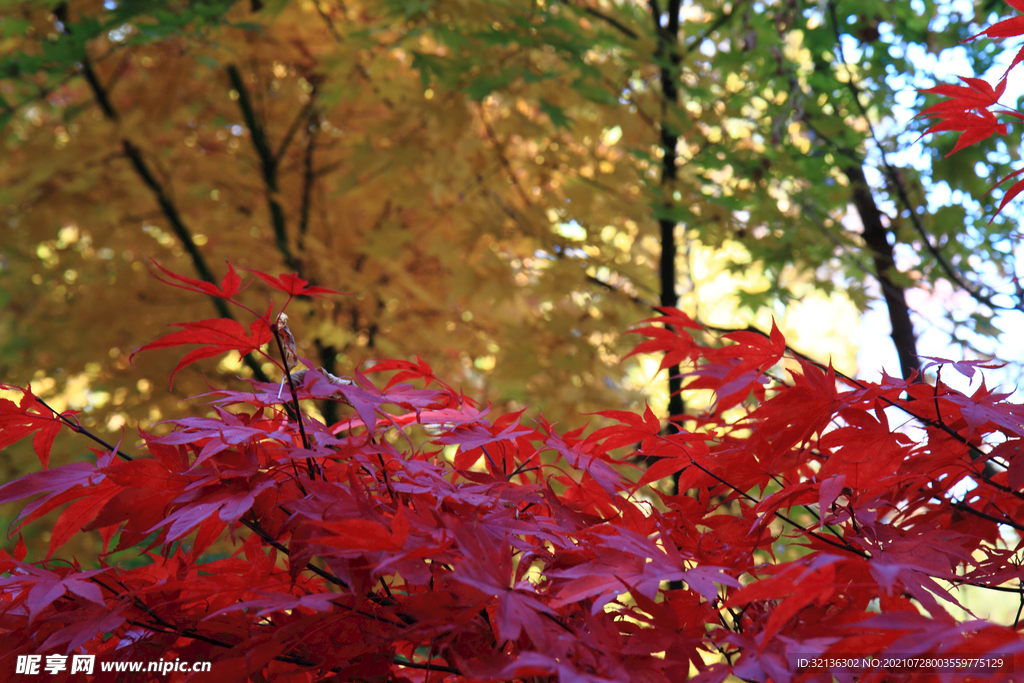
<point>268,166</point>
<point>76,426</point>
<point>608,19</point>
<point>308,177</point>
<point>310,465</point>
<point>300,118</point>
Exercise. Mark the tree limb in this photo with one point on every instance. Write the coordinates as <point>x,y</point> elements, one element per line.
<point>671,59</point>
<point>268,166</point>
<point>876,236</point>
<point>167,207</point>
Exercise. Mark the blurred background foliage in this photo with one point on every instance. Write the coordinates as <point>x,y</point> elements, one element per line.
<point>485,177</point>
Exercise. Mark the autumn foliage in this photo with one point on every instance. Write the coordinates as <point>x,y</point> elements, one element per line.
<point>422,539</point>
<point>973,109</point>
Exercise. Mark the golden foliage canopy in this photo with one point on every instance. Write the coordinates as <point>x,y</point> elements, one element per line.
<point>482,175</point>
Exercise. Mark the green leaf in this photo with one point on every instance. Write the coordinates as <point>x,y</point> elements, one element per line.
<point>485,85</point>
<point>592,92</point>
<point>248,26</point>
<point>677,213</point>
<point>429,66</point>
<point>983,325</point>
<point>11,27</point>
<point>210,62</point>
<point>555,113</point>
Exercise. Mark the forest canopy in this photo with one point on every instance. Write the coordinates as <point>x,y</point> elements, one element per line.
<point>492,180</point>
<point>567,384</point>
<point>504,187</point>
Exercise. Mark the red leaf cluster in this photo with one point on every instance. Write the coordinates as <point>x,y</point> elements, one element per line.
<point>974,109</point>
<point>427,542</point>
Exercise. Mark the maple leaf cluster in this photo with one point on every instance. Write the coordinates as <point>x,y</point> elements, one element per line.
<point>973,109</point>
<point>419,539</point>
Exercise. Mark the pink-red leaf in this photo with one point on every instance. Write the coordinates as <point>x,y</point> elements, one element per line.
<point>1007,28</point>
<point>18,420</point>
<point>217,335</point>
<point>293,285</point>
<point>229,286</point>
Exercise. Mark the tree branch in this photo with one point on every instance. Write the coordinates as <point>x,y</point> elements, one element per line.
<point>308,177</point>
<point>876,236</point>
<point>951,272</point>
<point>167,207</point>
<point>268,166</point>
<point>304,115</point>
<point>669,56</point>
<point>608,19</point>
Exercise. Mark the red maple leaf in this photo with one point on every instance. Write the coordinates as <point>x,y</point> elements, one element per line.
<point>293,285</point>
<point>229,286</point>
<point>217,335</point>
<point>18,420</point>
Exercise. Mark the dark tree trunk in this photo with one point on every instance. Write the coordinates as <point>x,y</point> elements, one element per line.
<point>876,236</point>
<point>668,53</point>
